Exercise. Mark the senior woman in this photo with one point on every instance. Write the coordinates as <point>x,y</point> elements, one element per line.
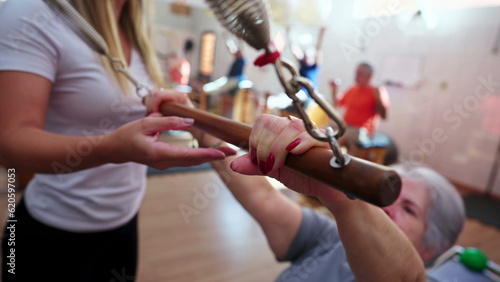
<point>365,242</point>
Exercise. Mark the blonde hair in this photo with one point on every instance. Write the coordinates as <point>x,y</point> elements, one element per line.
<point>101,15</point>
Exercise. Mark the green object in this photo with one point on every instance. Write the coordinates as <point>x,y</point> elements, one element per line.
<point>474,259</point>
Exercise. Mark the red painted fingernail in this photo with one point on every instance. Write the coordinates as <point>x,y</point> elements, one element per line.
<point>294,144</point>
<point>270,163</point>
<point>253,155</point>
<point>262,167</point>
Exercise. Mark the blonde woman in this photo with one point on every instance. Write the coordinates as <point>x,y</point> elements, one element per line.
<point>68,118</point>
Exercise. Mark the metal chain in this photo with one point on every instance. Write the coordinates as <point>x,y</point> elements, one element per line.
<point>292,87</point>
<point>118,66</point>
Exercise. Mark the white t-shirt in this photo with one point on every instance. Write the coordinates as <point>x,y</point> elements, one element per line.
<point>85,101</point>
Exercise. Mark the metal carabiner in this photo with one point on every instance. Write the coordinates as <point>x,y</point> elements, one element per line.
<point>323,104</point>
<point>339,160</point>
<point>140,89</point>
<point>292,87</point>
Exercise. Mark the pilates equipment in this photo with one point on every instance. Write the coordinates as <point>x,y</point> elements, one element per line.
<point>248,20</point>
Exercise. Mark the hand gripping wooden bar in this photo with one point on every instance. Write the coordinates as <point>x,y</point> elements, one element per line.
<point>361,179</point>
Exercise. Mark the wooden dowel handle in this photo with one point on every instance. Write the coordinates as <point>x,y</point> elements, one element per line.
<point>361,179</point>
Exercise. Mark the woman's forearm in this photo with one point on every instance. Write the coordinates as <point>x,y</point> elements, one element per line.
<point>377,250</point>
<point>35,150</point>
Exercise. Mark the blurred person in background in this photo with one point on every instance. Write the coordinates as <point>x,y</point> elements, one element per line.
<point>180,67</point>
<point>364,106</point>
<point>229,84</point>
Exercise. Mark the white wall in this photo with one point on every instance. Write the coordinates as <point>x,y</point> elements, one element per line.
<point>458,54</point>
<point>456,57</point>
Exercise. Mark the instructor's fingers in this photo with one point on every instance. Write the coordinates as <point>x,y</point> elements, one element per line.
<point>155,124</point>
<point>226,150</point>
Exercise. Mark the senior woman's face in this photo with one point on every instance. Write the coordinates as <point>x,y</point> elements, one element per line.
<point>409,212</point>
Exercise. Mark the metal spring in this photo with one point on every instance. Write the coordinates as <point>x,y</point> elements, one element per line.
<point>247,19</point>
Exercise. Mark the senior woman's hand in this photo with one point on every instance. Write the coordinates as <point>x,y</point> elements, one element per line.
<point>271,140</point>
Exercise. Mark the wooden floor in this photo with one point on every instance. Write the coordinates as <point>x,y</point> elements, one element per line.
<point>219,241</point>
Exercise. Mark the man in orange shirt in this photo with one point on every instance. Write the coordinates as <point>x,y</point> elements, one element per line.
<point>364,106</point>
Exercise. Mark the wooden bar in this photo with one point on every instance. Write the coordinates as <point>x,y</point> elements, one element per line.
<point>361,179</point>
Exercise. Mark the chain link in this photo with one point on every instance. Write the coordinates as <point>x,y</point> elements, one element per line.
<point>118,66</point>
<point>292,87</point>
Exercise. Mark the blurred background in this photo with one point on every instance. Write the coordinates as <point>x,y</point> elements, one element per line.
<point>438,60</point>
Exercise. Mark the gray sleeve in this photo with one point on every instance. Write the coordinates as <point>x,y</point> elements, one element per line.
<point>316,233</point>
<point>316,253</point>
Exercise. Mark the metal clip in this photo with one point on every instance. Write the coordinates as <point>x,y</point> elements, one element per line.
<point>323,104</point>
<point>291,88</point>
<point>339,159</point>
<point>140,89</point>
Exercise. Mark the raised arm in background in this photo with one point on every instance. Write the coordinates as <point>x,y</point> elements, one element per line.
<point>231,45</point>
<point>334,92</point>
<point>299,54</point>
<point>319,45</point>
<point>382,102</point>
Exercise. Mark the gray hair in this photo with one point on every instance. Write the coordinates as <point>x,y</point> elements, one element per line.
<point>445,212</point>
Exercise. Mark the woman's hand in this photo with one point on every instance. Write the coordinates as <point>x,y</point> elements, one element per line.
<point>137,141</point>
<point>271,140</point>
<point>155,98</point>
